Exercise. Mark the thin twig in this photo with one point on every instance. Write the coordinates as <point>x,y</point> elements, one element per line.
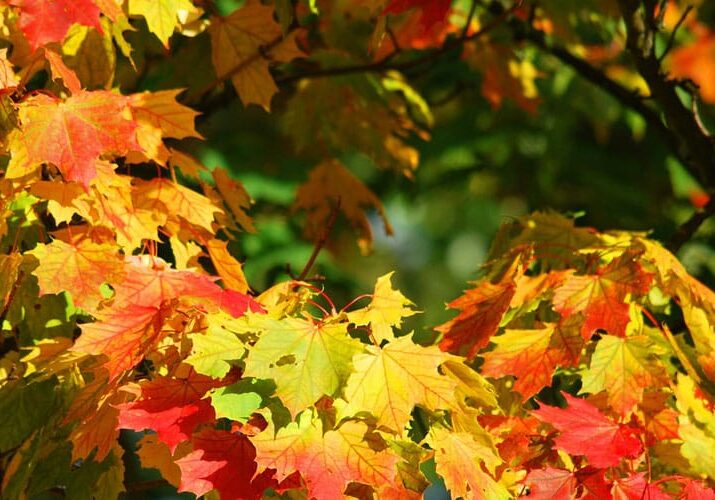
<point>11,296</point>
<point>470,16</point>
<point>671,39</point>
<point>384,64</point>
<point>689,140</point>
<point>321,241</point>
<point>688,229</point>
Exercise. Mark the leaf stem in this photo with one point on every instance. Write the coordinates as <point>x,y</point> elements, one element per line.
<point>321,241</point>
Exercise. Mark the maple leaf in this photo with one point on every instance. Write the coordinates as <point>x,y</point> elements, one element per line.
<point>155,454</point>
<point>623,367</point>
<point>79,269</point>
<point>73,133</point>
<point>168,197</point>
<point>8,78</point>
<point>433,11</point>
<point>227,267</point>
<point>551,483</point>
<point>695,61</point>
<point>212,351</point>
<point>332,187</point>
<point>326,461</point>
<point>602,296</point>
<point>533,355</point>
<point>172,407</point>
<point>385,311</point>
<point>504,75</point>
<point>696,426</point>
<point>696,490</point>
<point>123,335</point>
<point>459,457</point>
<point>45,21</point>
<point>60,70</point>
<point>159,115</point>
<point>150,282</point>
<point>637,487</point>
<point>223,461</point>
<point>173,425</point>
<point>481,310</point>
<point>161,15</point>
<point>586,431</point>
<point>389,382</point>
<point>95,417</point>
<point>64,199</point>
<point>235,198</point>
<point>162,111</point>
<point>306,360</point>
<point>244,44</point>
<point>116,210</point>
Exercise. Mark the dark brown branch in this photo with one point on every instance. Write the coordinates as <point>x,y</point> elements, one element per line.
<point>692,142</point>
<point>386,63</point>
<point>688,229</point>
<point>321,241</point>
<point>629,98</point>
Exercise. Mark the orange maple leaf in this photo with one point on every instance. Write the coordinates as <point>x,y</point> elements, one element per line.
<point>73,133</point>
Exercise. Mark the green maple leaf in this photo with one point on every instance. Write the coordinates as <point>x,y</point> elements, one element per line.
<point>307,360</point>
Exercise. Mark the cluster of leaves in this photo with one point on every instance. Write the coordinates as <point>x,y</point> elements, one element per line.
<point>123,305</point>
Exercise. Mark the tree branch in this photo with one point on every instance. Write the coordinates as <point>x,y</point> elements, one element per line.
<point>321,241</point>
<point>688,229</point>
<point>691,140</point>
<point>386,63</point>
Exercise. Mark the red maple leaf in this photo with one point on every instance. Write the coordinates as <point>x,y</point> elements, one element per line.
<point>173,425</point>
<point>172,407</point>
<point>433,11</point>
<point>636,487</point>
<point>586,431</point>
<point>45,21</point>
<point>223,461</point>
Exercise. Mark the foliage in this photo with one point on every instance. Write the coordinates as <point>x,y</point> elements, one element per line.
<point>578,365</point>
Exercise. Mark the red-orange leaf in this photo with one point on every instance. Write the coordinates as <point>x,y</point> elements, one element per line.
<point>73,133</point>
<point>123,335</point>
<point>533,355</point>
<point>551,484</point>
<point>586,431</point>
<point>173,425</point>
<point>481,311</point>
<point>636,487</point>
<point>44,21</point>
<point>602,296</point>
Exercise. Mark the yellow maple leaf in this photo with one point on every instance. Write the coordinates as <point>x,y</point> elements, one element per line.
<point>79,269</point>
<point>162,16</point>
<point>389,382</point>
<point>230,270</point>
<point>386,310</point>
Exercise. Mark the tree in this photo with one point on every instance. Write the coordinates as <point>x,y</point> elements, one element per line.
<point>579,363</point>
